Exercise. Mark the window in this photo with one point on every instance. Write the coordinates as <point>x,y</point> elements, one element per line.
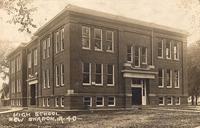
<point>18,63</point>
<point>62,39</point>
<point>87,101</point>
<point>129,53</point>
<point>176,79</point>
<point>13,86</point>
<point>110,76</point>
<point>29,60</point>
<point>35,57</point>
<point>177,101</point>
<point>44,79</point>
<point>62,74</point>
<point>169,101</point>
<point>176,51</point>
<point>161,101</point>
<point>48,100</point>
<point>56,101</point>
<point>111,101</point>
<point>168,50</point>
<point>169,78</point>
<point>98,39</point>
<point>160,49</point>
<point>43,102</point>
<point>99,74</point>
<point>110,41</point>
<point>48,46</point>
<point>85,37</point>
<point>144,55</point>
<point>57,42</point>
<point>13,66</point>
<point>137,56</point>
<point>44,48</point>
<point>47,78</point>
<point>57,76</point>
<point>62,101</point>
<point>99,101</point>
<point>20,86</point>
<point>161,78</point>
<point>86,73</point>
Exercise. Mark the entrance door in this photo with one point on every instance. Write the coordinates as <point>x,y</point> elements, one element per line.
<point>33,94</point>
<point>136,96</point>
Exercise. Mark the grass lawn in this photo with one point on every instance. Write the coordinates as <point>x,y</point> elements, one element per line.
<point>114,119</point>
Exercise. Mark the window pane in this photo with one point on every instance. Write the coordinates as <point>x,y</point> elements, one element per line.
<point>129,53</point>
<point>99,101</point>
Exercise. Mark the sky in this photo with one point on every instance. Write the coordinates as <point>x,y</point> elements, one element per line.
<point>164,12</point>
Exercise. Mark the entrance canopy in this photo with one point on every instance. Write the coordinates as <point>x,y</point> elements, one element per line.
<point>143,74</point>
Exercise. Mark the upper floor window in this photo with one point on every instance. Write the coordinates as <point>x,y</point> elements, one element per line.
<point>85,37</point>
<point>48,46</point>
<point>44,78</point>
<point>176,51</point>
<point>13,66</point>
<point>99,74</point>
<point>161,78</point>
<point>62,39</point>
<point>35,57</point>
<point>144,55</point>
<point>176,79</point>
<point>48,100</point>
<point>161,101</point>
<point>47,78</point>
<point>99,101</point>
<point>169,78</point>
<point>29,60</point>
<point>57,42</point>
<point>129,53</point>
<point>110,41</point>
<point>169,100</point>
<point>177,100</point>
<point>56,102</point>
<point>110,76</point>
<point>86,71</point>
<point>62,74</point>
<point>168,49</point>
<point>137,56</point>
<point>62,101</point>
<point>160,49</point>
<point>111,101</point>
<point>44,47</point>
<point>18,63</point>
<point>98,39</point>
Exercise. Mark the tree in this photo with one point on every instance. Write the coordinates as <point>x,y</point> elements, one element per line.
<point>194,72</point>
<point>21,13</point>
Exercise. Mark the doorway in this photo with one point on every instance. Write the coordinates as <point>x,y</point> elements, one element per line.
<point>33,94</point>
<point>136,96</point>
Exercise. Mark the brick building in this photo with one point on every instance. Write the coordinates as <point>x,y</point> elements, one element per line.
<point>84,58</point>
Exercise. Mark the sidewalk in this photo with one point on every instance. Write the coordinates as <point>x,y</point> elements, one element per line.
<point>11,109</point>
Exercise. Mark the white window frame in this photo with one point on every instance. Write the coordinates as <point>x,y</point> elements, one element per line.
<point>47,78</point>
<point>85,100</point>
<point>102,101</point>
<point>57,36</point>
<point>56,101</point>
<point>114,101</point>
<point>89,73</point>
<point>62,41</point>
<point>113,66</point>
<point>162,43</point>
<point>101,84</point>
<point>62,75</point>
<point>48,46</point>
<point>170,50</point>
<point>177,51</point>
<point>88,48</point>
<point>145,55</point>
<point>48,102</point>
<point>35,56</point>
<point>29,60</point>
<point>179,101</point>
<point>178,82</point>
<point>44,46</point>
<point>130,53</point>
<point>111,41</point>
<point>62,102</point>
<point>163,101</point>
<point>138,58</point>
<point>57,77</point>
<point>97,49</point>
<point>43,102</point>
<point>171,100</point>
<point>170,79</point>
<point>44,78</point>
<point>163,79</point>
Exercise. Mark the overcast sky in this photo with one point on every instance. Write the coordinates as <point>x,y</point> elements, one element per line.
<point>164,12</point>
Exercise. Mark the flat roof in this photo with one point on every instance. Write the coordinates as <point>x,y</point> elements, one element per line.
<point>82,10</point>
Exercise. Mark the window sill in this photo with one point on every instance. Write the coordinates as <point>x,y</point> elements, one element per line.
<point>161,104</point>
<point>86,48</point>
<point>169,104</point>
<point>177,87</point>
<point>176,59</point>
<point>110,51</point>
<point>111,105</point>
<point>178,104</point>
<point>160,86</point>
<point>168,58</point>
<point>99,50</point>
<point>99,105</point>
<point>62,85</point>
<point>98,84</point>
<point>111,85</point>
<point>159,57</point>
<point>86,84</point>
<point>169,86</point>
<point>62,106</point>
